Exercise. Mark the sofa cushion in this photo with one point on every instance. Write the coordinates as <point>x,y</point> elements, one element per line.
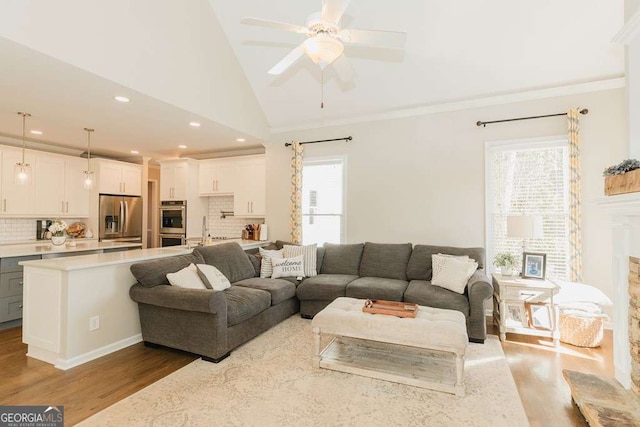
<point>324,287</point>
<point>419,267</point>
<point>230,259</point>
<point>342,259</point>
<point>387,260</point>
<point>154,272</point>
<point>377,288</point>
<point>243,303</point>
<point>256,261</point>
<point>424,293</point>
<point>279,289</point>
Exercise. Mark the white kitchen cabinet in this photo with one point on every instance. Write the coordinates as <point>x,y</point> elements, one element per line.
<point>17,199</point>
<point>59,188</point>
<point>216,177</point>
<point>119,178</point>
<point>174,180</point>
<point>250,188</point>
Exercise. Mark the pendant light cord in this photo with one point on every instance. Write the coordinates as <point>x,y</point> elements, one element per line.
<point>321,88</point>
<point>24,126</point>
<point>89,130</point>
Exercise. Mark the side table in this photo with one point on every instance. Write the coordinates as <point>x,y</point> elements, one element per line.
<point>511,298</point>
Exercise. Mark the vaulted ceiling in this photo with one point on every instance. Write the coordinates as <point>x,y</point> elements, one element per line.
<point>193,61</point>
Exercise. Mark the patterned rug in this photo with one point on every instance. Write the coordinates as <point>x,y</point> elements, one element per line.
<point>270,381</point>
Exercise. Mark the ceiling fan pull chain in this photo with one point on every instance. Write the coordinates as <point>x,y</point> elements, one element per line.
<point>321,88</point>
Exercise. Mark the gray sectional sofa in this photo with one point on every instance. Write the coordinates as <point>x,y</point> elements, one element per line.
<point>395,272</point>
<point>212,323</point>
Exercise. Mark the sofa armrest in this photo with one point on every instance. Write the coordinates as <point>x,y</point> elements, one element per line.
<point>479,286</point>
<point>201,300</point>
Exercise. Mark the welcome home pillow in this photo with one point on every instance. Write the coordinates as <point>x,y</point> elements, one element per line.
<point>186,278</point>
<point>288,267</point>
<point>310,254</point>
<point>266,265</point>
<point>452,272</point>
<point>212,277</point>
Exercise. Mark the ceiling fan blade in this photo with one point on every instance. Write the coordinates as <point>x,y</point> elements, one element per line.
<point>391,39</point>
<point>274,24</point>
<point>343,69</point>
<point>287,61</point>
<point>332,10</point>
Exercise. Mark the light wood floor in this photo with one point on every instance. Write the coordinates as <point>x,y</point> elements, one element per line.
<point>536,367</point>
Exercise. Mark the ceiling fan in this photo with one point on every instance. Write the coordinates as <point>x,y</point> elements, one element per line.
<point>325,38</point>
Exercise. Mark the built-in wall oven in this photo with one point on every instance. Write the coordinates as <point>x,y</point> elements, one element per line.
<point>173,223</point>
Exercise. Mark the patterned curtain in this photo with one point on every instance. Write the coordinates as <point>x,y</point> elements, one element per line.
<point>575,228</point>
<point>296,192</point>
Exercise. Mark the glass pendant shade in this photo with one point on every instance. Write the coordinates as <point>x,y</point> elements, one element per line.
<point>88,176</point>
<point>22,170</point>
<point>323,49</point>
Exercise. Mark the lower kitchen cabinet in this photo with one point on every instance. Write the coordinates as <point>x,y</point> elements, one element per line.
<point>11,284</point>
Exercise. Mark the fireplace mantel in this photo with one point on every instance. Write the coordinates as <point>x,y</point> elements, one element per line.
<point>624,210</point>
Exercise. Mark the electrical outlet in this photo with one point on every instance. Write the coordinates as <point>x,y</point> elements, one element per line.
<point>94,323</point>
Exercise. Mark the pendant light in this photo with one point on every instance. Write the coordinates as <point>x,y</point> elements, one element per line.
<point>22,169</point>
<point>88,177</point>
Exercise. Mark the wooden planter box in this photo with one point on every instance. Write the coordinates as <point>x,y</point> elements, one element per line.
<point>620,184</point>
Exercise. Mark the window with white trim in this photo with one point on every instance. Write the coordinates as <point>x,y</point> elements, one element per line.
<point>529,178</point>
<point>323,200</point>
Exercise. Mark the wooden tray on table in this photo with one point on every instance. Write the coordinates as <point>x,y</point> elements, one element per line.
<point>391,308</point>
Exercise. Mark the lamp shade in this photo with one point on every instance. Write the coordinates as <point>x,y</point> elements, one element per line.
<point>525,226</point>
<point>322,49</point>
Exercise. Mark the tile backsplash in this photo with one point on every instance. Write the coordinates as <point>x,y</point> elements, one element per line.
<point>20,229</point>
<point>229,226</point>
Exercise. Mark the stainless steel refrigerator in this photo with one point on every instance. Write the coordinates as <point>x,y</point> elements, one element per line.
<point>120,218</point>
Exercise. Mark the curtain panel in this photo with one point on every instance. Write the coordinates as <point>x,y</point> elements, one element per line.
<point>575,216</point>
<point>297,156</point>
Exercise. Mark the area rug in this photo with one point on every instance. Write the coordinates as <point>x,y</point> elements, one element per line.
<point>271,381</point>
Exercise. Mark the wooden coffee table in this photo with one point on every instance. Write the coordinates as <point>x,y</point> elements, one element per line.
<point>426,351</point>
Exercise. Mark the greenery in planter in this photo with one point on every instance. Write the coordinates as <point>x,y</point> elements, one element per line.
<point>622,168</point>
<point>504,260</point>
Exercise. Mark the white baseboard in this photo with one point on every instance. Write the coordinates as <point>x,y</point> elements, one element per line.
<point>65,364</point>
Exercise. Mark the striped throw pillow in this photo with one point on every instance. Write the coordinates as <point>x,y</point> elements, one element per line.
<point>309,253</point>
<point>266,265</point>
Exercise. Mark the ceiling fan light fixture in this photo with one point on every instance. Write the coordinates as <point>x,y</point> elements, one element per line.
<point>323,49</point>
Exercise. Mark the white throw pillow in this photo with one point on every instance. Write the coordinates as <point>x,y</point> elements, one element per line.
<point>212,277</point>
<point>266,266</point>
<point>186,278</point>
<point>452,273</point>
<point>309,252</point>
<point>288,267</point>
<point>437,266</point>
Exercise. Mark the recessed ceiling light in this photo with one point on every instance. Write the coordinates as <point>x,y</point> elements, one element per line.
<point>36,132</point>
<point>134,151</point>
<point>121,98</point>
<point>240,139</point>
<point>182,146</point>
<point>194,124</point>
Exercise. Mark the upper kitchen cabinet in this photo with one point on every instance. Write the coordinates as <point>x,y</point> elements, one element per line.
<point>17,199</point>
<point>250,188</point>
<point>178,179</point>
<point>216,177</point>
<point>119,178</point>
<point>59,188</point>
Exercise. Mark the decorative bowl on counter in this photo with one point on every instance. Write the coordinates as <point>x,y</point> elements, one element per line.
<point>76,230</point>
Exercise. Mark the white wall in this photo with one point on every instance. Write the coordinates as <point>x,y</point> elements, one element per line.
<point>421,179</point>
<point>174,51</point>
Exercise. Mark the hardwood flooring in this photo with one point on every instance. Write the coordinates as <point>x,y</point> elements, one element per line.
<point>535,364</point>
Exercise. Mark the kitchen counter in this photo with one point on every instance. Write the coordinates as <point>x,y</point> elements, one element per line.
<point>43,247</point>
<point>246,244</point>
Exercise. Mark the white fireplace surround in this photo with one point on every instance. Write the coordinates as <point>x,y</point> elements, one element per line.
<point>624,210</point>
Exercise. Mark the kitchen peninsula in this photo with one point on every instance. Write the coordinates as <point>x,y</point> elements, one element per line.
<point>77,309</point>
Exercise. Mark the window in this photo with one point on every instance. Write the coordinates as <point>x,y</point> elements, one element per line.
<point>322,201</point>
<point>529,178</point>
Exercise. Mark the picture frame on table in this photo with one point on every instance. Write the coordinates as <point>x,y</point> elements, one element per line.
<point>534,265</point>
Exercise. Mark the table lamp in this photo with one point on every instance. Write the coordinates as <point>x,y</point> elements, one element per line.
<point>524,227</point>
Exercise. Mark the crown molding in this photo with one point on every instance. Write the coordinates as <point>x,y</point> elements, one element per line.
<point>629,31</point>
<point>599,85</point>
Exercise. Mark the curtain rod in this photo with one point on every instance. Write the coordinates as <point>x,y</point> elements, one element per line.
<point>484,124</point>
<point>345,139</point>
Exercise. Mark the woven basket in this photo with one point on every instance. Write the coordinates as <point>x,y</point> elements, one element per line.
<point>581,331</point>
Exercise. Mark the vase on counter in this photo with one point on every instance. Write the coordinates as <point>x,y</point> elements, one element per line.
<point>59,239</point>
<point>506,271</point>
